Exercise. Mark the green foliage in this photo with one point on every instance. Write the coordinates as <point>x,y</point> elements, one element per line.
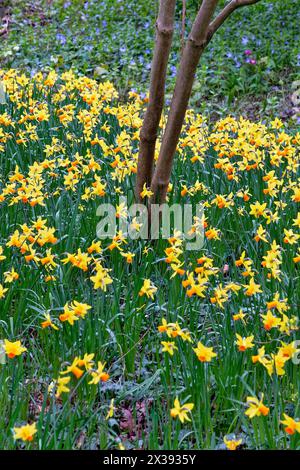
<point>114,39</point>
<point>121,328</point>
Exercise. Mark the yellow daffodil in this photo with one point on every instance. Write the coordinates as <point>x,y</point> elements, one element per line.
<point>256,407</point>
<point>270,321</point>
<point>99,374</point>
<point>146,192</point>
<point>291,426</point>
<point>111,410</point>
<point>74,369</point>
<point>181,411</point>
<point>232,444</point>
<point>68,315</point>
<point>239,316</point>
<point>204,353</point>
<point>101,279</point>
<point>13,349</point>
<point>244,343</point>
<point>11,276</point>
<point>148,289</point>
<point>25,433</point>
<point>169,347</point>
<point>2,291</point>
<point>48,322</point>
<point>252,288</point>
<point>62,383</point>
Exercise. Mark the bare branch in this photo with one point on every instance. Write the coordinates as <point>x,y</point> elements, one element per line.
<point>225,13</point>
<point>183,24</point>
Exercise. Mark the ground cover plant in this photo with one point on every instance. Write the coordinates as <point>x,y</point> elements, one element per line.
<point>247,68</point>
<point>129,343</point>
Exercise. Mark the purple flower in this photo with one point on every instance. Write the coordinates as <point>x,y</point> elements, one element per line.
<point>248,52</point>
<point>173,70</point>
<point>61,38</point>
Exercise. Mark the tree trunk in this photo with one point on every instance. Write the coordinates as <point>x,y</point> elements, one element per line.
<point>202,31</point>
<point>149,131</point>
<point>201,34</point>
<point>190,58</point>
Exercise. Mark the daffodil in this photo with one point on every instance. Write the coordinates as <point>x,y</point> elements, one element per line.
<point>244,343</point>
<point>74,369</point>
<point>164,327</point>
<point>169,347</point>
<point>3,291</point>
<point>80,309</point>
<point>204,353</point>
<point>48,260</point>
<point>290,237</point>
<point>232,444</point>
<point>111,410</point>
<point>86,361</point>
<point>239,316</point>
<point>128,256</point>
<point>256,407</point>
<point>95,247</point>
<point>291,426</point>
<point>278,304</point>
<point>260,235</point>
<point>181,411</point>
<point>13,349</point>
<point>148,289</point>
<point>11,276</point>
<point>257,209</point>
<point>252,288</point>
<point>68,315</point>
<point>288,350</point>
<point>270,321</point>
<point>260,357</point>
<point>2,257</point>
<point>146,192</point>
<point>48,322</point>
<point>276,364</point>
<point>101,279</point>
<point>99,374</point>
<point>25,433</point>
<point>62,383</point>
